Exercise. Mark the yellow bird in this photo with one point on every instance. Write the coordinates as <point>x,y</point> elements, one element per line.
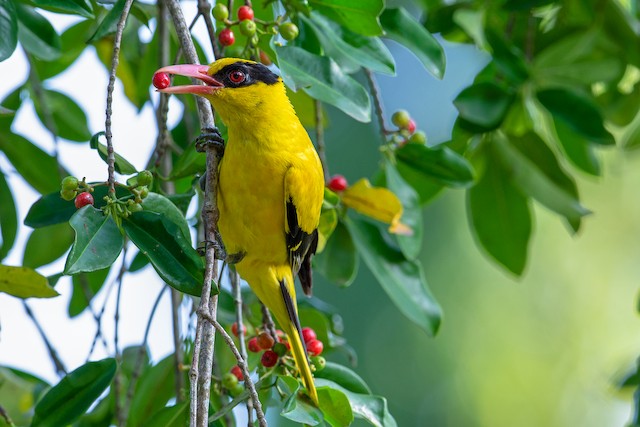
<point>271,187</point>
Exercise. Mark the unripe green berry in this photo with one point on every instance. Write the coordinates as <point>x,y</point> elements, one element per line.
<point>236,390</point>
<point>280,349</point>
<point>418,138</point>
<point>229,381</point>
<point>289,31</point>
<point>69,183</point>
<point>135,207</point>
<point>68,195</point>
<point>144,191</point>
<point>248,27</point>
<point>145,178</point>
<point>401,118</point>
<point>220,12</point>
<point>318,362</point>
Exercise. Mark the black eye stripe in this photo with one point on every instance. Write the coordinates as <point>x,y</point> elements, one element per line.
<point>252,73</point>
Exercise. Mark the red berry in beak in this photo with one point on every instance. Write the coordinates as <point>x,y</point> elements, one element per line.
<point>161,80</point>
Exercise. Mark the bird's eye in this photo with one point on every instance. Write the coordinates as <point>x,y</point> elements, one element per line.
<point>237,76</point>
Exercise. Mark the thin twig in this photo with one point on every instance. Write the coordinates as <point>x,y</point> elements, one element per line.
<point>267,322</point>
<point>137,369</point>
<point>53,354</point>
<point>237,295</point>
<point>248,382</point>
<point>320,139</point>
<point>99,319</point>
<point>200,373</point>
<point>117,380</point>
<point>377,103</point>
<point>115,60</point>
<point>204,9</point>
<point>84,286</point>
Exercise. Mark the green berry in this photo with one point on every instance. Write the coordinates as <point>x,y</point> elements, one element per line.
<point>318,362</point>
<point>236,390</point>
<point>144,191</point>
<point>229,381</point>
<point>401,118</point>
<point>220,12</point>
<point>289,31</point>
<point>418,138</point>
<point>68,195</point>
<point>69,183</point>
<point>145,178</point>
<point>280,349</point>
<point>248,27</point>
<point>134,207</point>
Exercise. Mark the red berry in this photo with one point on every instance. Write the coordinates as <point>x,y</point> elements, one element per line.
<point>253,345</point>
<point>245,12</point>
<point>234,329</point>
<point>237,372</point>
<point>338,183</point>
<point>315,347</point>
<point>84,199</point>
<point>269,359</point>
<point>161,80</point>
<point>226,37</point>
<point>411,127</point>
<point>308,334</point>
<point>265,341</point>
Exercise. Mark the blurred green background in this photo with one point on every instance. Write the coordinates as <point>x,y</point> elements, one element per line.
<point>544,350</point>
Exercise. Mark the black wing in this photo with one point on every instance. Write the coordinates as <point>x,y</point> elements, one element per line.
<point>302,246</point>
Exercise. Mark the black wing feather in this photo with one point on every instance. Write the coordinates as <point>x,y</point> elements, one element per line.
<point>302,246</point>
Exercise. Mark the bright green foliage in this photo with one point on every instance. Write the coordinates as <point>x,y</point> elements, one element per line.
<point>561,83</point>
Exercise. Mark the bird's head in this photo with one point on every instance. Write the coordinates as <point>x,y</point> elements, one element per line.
<point>233,86</point>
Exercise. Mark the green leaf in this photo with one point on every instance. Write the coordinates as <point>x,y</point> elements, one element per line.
<point>38,168</point>
<point>110,22</point>
<point>189,163</point>
<point>369,407</point>
<point>359,16</point>
<point>403,280</point>
<point>411,214</point>
<point>121,164</point>
<point>170,253</point>
<point>349,49</point>
<point>73,7</point>
<point>97,244</point>
<point>68,120</point>
<point>328,222</point>
<point>74,394</point>
<point>322,79</point>
<point>23,282</point>
<point>499,215</point>
<point>73,44</point>
<point>139,262</point>
<point>537,172</point>
<point>484,104</point>
<point>8,217</point>
<point>53,209</point>
<point>8,29</point>
<point>17,391</point>
<point>507,57</point>
<point>295,408</point>
<point>47,244</point>
<point>171,416</point>
<point>403,28</point>
<point>339,261</point>
<point>343,376</point>
<point>578,112</point>
<point>85,287</point>
<point>36,34</point>
<point>153,391</point>
<point>439,163</point>
<point>577,148</point>
<point>161,205</point>
<point>335,406</point>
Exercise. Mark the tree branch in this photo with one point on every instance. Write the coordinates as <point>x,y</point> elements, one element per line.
<point>248,382</point>
<point>53,354</point>
<point>320,139</point>
<point>115,60</point>
<point>237,295</point>
<point>377,103</point>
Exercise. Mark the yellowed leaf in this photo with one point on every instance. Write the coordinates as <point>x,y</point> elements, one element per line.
<point>23,282</point>
<point>376,202</point>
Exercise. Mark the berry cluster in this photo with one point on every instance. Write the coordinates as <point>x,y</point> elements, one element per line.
<point>72,188</point>
<point>247,24</point>
<point>276,352</point>
<point>406,130</point>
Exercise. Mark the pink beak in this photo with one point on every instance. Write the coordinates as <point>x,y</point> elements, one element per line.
<point>194,71</point>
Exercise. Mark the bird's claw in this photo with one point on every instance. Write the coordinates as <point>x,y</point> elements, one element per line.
<point>210,137</point>
<point>221,251</point>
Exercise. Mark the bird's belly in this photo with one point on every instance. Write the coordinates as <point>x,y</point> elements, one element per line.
<point>251,203</point>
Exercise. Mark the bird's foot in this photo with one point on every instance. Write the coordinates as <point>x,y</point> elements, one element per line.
<point>221,251</point>
<point>210,137</point>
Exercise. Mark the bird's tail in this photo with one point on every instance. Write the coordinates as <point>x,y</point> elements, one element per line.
<point>279,296</point>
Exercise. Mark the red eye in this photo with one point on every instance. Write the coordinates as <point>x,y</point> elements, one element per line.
<point>237,76</point>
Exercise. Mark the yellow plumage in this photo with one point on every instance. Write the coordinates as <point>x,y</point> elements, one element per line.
<point>270,172</point>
